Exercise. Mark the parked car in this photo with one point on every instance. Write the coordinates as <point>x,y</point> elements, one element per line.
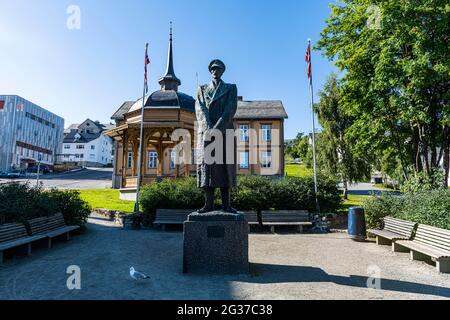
<point>43,169</point>
<point>9,175</point>
<point>14,175</point>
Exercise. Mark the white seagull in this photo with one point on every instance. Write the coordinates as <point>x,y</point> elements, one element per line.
<point>136,275</point>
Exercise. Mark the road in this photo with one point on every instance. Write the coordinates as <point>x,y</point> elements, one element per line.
<point>367,189</point>
<point>89,178</point>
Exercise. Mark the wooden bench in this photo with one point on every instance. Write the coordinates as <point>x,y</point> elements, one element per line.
<point>171,217</point>
<point>299,218</point>
<point>51,227</point>
<point>393,229</point>
<point>251,217</point>
<point>429,242</point>
<point>15,235</point>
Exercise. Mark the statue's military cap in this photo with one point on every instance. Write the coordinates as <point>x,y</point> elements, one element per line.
<point>216,63</point>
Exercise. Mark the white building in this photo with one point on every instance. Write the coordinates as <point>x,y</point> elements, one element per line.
<point>28,134</point>
<point>86,145</point>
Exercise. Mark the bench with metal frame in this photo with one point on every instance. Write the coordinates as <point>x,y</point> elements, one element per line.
<point>14,235</point>
<point>393,229</point>
<point>50,227</point>
<point>298,218</point>
<point>171,217</point>
<point>430,242</point>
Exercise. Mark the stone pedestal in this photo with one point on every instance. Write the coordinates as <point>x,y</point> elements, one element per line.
<point>216,243</point>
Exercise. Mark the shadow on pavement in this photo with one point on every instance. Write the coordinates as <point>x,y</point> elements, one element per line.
<point>267,273</point>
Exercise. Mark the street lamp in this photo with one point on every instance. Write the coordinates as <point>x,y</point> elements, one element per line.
<point>38,169</point>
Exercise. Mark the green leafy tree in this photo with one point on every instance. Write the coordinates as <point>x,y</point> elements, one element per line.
<point>302,148</point>
<point>395,55</point>
<point>298,148</point>
<point>291,147</point>
<point>335,155</point>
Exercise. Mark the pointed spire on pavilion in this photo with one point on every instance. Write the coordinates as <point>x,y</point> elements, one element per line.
<point>170,80</point>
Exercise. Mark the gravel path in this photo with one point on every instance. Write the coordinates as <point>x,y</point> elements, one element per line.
<point>285,266</point>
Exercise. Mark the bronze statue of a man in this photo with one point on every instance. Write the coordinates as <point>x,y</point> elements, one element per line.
<point>215,108</point>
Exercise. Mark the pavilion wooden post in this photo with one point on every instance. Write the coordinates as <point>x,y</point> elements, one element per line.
<point>145,161</point>
<point>160,158</point>
<point>125,147</point>
<point>135,155</point>
<point>193,159</point>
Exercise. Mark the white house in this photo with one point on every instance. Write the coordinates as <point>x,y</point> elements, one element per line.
<point>86,145</point>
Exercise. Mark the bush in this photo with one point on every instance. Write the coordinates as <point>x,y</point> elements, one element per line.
<point>376,208</point>
<point>252,193</point>
<point>21,202</point>
<point>290,193</point>
<point>171,194</point>
<point>69,203</point>
<point>427,207</point>
<point>423,182</point>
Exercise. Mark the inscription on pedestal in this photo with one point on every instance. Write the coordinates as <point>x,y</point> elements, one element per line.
<point>216,243</point>
<point>216,232</point>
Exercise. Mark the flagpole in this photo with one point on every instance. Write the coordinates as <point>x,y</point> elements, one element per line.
<point>311,92</point>
<point>141,138</point>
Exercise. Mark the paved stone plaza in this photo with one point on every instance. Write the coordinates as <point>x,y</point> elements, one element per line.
<point>284,266</point>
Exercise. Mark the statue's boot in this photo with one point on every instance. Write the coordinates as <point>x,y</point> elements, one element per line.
<point>209,201</point>
<point>226,201</point>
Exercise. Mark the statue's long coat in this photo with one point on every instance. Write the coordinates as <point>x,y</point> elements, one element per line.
<point>215,109</point>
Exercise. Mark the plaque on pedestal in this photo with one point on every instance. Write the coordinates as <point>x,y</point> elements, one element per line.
<point>216,243</point>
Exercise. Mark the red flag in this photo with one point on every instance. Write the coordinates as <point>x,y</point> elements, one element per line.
<point>146,62</point>
<point>308,60</point>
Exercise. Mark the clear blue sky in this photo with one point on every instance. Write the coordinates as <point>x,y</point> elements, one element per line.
<point>88,73</point>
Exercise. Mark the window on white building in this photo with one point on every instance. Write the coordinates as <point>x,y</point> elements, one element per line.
<point>67,146</point>
<point>92,147</point>
<point>80,146</point>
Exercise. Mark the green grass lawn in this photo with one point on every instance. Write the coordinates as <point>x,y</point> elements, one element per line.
<point>106,199</point>
<point>352,201</point>
<point>109,199</point>
<point>298,170</point>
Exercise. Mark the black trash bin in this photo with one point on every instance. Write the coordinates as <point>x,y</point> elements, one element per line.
<point>357,224</point>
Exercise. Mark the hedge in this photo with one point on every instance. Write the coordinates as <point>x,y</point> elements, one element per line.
<point>21,202</point>
<point>290,193</point>
<point>427,207</point>
<point>252,193</point>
